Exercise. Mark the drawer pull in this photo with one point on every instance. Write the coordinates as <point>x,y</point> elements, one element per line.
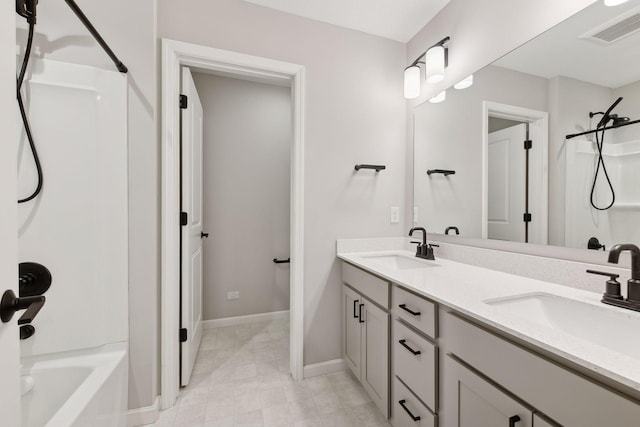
<point>404,344</point>
<point>355,310</point>
<point>408,310</point>
<point>360,313</point>
<point>513,420</point>
<point>413,417</point>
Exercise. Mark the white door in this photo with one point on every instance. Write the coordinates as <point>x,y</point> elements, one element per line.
<point>191,232</point>
<point>507,186</point>
<point>9,349</point>
<point>351,318</point>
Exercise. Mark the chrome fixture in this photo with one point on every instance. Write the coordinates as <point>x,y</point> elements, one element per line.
<point>613,295</point>
<point>435,60</point>
<point>423,250</point>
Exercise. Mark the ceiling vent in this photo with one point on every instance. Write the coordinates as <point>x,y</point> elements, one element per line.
<point>617,29</point>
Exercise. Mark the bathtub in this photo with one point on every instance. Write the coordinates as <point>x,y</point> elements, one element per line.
<point>76,389</point>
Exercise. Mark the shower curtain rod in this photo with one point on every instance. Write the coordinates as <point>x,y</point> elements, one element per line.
<point>573,135</point>
<point>83,18</point>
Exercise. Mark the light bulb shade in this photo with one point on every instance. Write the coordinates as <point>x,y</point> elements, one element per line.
<point>614,2</point>
<point>412,82</point>
<point>435,63</point>
<point>465,83</point>
<point>439,97</point>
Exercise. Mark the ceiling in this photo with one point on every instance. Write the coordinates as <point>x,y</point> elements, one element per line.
<point>398,20</point>
<point>562,52</point>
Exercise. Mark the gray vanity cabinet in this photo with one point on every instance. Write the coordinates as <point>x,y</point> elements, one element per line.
<point>365,320</point>
<point>475,402</point>
<point>487,375</point>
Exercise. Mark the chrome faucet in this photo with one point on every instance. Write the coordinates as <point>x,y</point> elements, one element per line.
<point>633,283</point>
<point>424,250</point>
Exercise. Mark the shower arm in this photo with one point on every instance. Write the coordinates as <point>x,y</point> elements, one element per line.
<point>83,18</point>
<point>601,129</point>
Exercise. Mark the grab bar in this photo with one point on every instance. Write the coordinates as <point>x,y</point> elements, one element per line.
<point>378,168</point>
<point>281,261</point>
<point>445,172</point>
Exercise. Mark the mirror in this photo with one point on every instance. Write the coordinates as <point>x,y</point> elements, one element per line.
<point>558,84</point>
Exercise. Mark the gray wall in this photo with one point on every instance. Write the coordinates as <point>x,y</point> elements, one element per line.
<point>130,29</point>
<point>355,113</point>
<point>247,149</point>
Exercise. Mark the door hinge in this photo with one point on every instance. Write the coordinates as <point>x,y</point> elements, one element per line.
<point>183,335</point>
<point>184,218</point>
<point>183,102</point>
<point>527,217</point>
<point>528,144</point>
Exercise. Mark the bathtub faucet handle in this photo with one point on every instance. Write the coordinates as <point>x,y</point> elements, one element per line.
<point>10,304</point>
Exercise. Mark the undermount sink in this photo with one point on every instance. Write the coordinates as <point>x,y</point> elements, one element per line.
<point>598,324</point>
<point>399,262</point>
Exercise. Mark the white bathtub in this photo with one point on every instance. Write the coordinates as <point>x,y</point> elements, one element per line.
<point>77,389</point>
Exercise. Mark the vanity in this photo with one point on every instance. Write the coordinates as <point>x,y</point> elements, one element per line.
<point>442,343</point>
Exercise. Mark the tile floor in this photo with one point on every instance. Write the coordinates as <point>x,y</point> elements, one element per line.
<point>241,379</point>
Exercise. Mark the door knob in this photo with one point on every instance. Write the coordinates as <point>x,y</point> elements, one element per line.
<point>203,235</point>
<point>10,304</point>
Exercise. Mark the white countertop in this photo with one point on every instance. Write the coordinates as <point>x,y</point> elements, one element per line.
<point>464,288</point>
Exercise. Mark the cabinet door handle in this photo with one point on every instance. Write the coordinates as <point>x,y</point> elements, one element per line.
<point>513,420</point>
<point>360,313</point>
<point>408,310</point>
<point>355,310</point>
<point>413,417</point>
<point>404,344</point>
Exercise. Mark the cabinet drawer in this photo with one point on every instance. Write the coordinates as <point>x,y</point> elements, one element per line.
<point>374,288</point>
<point>415,310</point>
<point>418,371</point>
<point>406,408</point>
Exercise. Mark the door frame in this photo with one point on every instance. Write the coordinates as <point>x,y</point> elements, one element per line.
<point>176,54</point>
<point>539,165</point>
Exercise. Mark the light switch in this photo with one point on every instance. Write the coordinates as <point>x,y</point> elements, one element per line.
<point>395,215</point>
<point>233,295</point>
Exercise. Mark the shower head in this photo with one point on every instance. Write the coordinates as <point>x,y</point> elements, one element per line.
<point>606,117</point>
<point>618,121</point>
<point>27,9</point>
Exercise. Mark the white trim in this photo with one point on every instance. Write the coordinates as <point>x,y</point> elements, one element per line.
<point>176,54</point>
<point>539,178</point>
<point>324,368</point>
<point>244,320</point>
<point>143,416</point>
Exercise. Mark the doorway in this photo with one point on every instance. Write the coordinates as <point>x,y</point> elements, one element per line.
<point>515,173</point>
<point>177,55</point>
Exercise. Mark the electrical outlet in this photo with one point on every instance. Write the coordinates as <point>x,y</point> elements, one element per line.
<point>233,295</point>
<point>415,215</point>
<point>395,215</point>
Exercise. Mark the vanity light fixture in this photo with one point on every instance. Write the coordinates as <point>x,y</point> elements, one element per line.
<point>464,83</point>
<point>439,97</point>
<point>614,2</point>
<point>412,82</point>
<point>435,60</point>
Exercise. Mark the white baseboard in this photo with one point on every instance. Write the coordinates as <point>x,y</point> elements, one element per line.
<point>243,320</point>
<point>324,368</point>
<point>142,416</point>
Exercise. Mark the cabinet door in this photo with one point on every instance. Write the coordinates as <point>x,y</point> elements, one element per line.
<point>351,329</point>
<point>375,355</point>
<point>541,422</point>
<point>476,402</point>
